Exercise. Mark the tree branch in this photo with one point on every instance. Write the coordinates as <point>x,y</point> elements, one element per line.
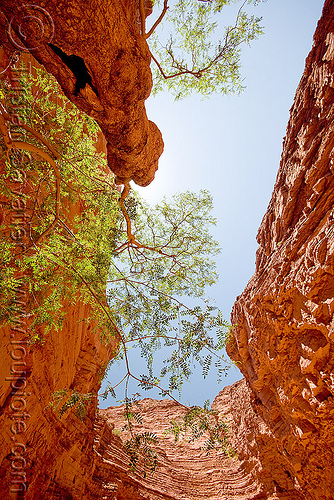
<point>158,21</point>
<point>4,116</point>
<point>142,16</point>
<point>132,242</point>
<point>199,73</point>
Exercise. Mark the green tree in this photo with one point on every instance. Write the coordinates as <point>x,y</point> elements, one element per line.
<point>150,280</point>
<point>151,257</point>
<point>188,55</point>
<point>62,169</point>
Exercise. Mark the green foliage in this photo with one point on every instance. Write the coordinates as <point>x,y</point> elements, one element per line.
<point>9,281</point>
<point>199,59</point>
<point>139,446</point>
<point>65,399</point>
<point>144,288</point>
<point>109,391</point>
<point>198,422</point>
<point>183,262</point>
<point>55,270</point>
<point>147,284</point>
<point>142,441</point>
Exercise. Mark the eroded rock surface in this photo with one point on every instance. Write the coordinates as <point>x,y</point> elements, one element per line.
<point>186,471</point>
<point>43,457</point>
<point>106,36</point>
<point>284,337</point>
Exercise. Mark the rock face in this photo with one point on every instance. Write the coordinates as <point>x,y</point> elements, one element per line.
<point>42,457</point>
<point>281,414</point>
<point>106,36</point>
<point>284,337</point>
<point>187,472</point>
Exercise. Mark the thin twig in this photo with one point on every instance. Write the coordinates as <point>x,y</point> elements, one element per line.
<point>21,145</point>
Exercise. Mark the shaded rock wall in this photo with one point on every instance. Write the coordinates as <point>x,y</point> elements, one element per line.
<point>42,457</point>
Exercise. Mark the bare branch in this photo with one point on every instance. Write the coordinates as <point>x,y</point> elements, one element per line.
<point>197,74</point>
<point>160,18</point>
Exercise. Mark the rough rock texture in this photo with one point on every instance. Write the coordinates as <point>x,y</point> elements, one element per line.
<point>42,457</point>
<point>106,35</point>
<point>46,455</point>
<point>281,416</point>
<point>185,471</point>
<point>285,326</point>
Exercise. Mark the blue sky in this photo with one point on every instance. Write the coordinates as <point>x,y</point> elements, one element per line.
<point>232,147</point>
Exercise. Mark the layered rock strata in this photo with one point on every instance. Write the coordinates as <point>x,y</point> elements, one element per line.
<point>284,338</point>
<point>185,471</point>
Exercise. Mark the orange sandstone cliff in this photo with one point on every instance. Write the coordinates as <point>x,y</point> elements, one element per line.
<point>281,414</point>
<point>284,334</point>
<point>187,472</point>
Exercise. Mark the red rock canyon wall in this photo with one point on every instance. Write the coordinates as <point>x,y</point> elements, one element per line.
<point>281,415</point>
<point>284,317</point>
